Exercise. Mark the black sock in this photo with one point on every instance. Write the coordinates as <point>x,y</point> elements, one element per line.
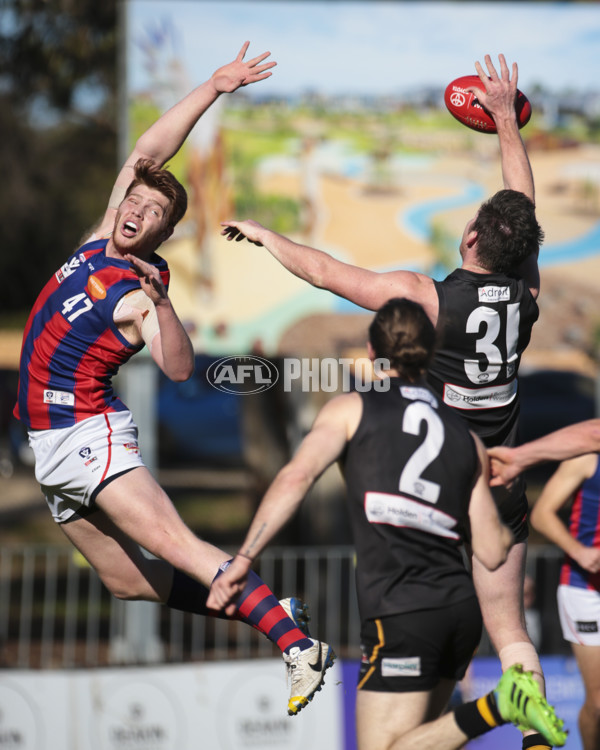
<point>536,741</point>
<point>189,595</point>
<point>478,717</point>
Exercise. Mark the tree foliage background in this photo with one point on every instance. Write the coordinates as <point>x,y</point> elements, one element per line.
<point>58,150</point>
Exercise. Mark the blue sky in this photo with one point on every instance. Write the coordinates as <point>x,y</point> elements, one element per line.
<point>370,46</point>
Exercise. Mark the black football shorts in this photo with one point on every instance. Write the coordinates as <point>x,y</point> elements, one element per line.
<point>411,652</point>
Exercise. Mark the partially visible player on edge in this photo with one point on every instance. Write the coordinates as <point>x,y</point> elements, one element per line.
<point>561,445</point>
<point>484,311</point>
<point>418,487</point>
<point>102,306</point>
<point>578,593</point>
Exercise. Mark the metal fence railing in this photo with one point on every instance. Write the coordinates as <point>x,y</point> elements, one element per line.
<point>55,612</point>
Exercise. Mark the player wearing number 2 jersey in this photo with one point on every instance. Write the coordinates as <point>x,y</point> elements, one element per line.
<point>417,485</point>
<point>477,312</point>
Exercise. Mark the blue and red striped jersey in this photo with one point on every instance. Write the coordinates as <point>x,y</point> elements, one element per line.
<point>71,344</point>
<point>584,525</point>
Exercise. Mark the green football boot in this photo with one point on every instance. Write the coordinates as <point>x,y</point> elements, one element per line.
<point>520,701</point>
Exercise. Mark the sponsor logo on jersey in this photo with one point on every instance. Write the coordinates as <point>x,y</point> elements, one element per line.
<point>62,398</point>
<point>402,667</point>
<point>96,288</point>
<point>414,393</point>
<point>132,448</point>
<point>492,397</point>
<point>402,512</point>
<point>494,294</point>
<point>590,626</point>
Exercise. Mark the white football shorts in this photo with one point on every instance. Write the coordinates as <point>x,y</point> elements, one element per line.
<point>579,612</point>
<point>72,464</point>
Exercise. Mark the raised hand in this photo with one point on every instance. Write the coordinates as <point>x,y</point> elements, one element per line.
<point>239,73</point>
<point>149,277</point>
<point>243,230</point>
<point>498,93</point>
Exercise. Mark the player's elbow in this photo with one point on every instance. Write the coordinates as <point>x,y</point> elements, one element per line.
<point>318,273</point>
<point>492,553</point>
<point>181,375</point>
<point>296,478</point>
<point>594,435</point>
<point>180,372</point>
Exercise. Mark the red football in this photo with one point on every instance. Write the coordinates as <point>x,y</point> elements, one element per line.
<point>465,107</point>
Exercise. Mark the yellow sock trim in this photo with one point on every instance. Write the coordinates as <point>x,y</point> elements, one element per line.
<point>486,714</point>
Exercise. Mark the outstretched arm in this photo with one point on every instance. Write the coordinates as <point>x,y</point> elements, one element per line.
<point>491,539</point>
<point>568,442</point>
<point>499,98</point>
<point>319,449</point>
<point>165,137</point>
<point>558,490</point>
<point>365,288</point>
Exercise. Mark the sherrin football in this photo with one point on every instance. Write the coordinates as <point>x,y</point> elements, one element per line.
<point>465,107</point>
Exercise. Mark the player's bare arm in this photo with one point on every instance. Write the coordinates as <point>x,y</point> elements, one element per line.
<point>491,539</point>
<point>164,138</point>
<point>568,442</point>
<point>160,328</point>
<point>557,492</point>
<point>323,445</point>
<point>498,95</point>
<point>361,286</point>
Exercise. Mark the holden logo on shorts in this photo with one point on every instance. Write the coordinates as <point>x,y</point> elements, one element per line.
<point>242,374</point>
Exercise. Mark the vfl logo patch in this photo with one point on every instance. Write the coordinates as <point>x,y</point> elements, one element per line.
<point>407,667</point>
<point>586,627</point>
<point>86,454</point>
<point>68,268</point>
<point>62,398</point>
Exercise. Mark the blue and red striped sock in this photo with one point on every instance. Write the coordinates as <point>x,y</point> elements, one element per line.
<point>258,606</point>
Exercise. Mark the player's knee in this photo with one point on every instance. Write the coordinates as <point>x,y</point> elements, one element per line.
<point>592,704</point>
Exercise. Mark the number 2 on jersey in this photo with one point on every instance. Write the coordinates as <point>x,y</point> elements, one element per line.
<point>411,480</point>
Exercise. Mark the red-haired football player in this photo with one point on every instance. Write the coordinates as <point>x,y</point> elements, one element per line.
<point>105,304</point>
